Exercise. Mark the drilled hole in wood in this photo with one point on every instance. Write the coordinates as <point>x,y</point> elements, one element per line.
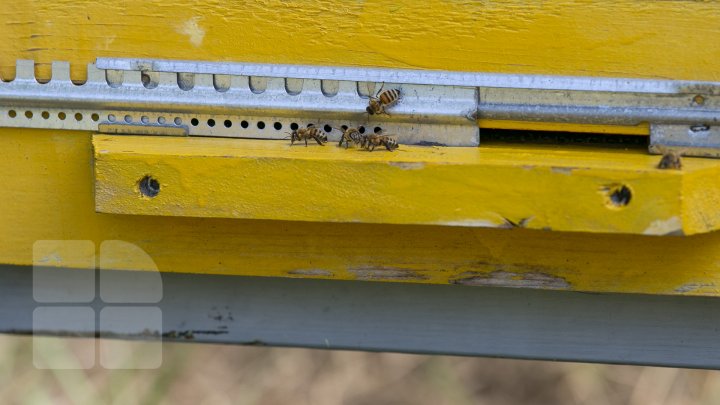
<point>227,123</point>
<point>244,124</point>
<point>111,117</point>
<point>294,126</point>
<point>12,113</point>
<point>78,117</point>
<point>128,119</point>
<point>177,120</point>
<point>277,126</point>
<point>327,128</point>
<point>28,114</point>
<point>161,120</point>
<point>45,115</point>
<point>95,117</point>
<point>61,115</point>
<point>194,122</point>
<point>261,125</point>
<point>362,130</point>
<point>377,130</point>
<point>620,196</point>
<point>149,187</point>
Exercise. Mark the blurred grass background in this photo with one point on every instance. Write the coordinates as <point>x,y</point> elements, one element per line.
<point>225,374</point>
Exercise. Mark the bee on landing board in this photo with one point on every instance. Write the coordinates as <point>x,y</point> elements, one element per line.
<point>350,135</point>
<point>670,160</point>
<point>382,100</point>
<point>303,134</point>
<point>369,142</point>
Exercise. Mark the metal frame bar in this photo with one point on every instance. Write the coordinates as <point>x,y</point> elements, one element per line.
<point>246,100</point>
<point>461,320</point>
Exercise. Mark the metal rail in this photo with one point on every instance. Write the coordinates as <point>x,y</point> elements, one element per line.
<point>266,101</point>
<point>461,320</point>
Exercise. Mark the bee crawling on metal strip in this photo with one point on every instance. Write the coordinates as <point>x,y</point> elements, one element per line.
<point>303,134</point>
<point>383,99</point>
<point>670,160</point>
<point>369,142</point>
<point>350,135</point>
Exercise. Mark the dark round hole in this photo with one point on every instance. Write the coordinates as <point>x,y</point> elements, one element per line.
<point>78,117</point>
<point>149,187</point>
<point>362,130</point>
<point>12,113</point>
<point>277,126</point>
<point>377,130</point>
<point>194,122</point>
<point>327,128</point>
<point>95,117</point>
<point>344,127</point>
<point>261,125</point>
<point>211,122</point>
<point>621,196</point>
<point>294,126</point>
<point>28,114</point>
<point>61,115</point>
<point>228,123</point>
<point>45,115</point>
<point>244,124</point>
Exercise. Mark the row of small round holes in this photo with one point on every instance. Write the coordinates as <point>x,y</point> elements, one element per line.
<point>277,125</point>
<point>178,121</point>
<point>61,115</point>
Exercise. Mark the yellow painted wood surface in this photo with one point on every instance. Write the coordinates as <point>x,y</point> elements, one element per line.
<point>667,39</point>
<point>48,194</point>
<point>536,188</point>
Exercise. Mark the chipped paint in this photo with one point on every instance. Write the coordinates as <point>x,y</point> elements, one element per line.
<point>695,287</point>
<point>192,29</point>
<point>670,226</point>
<point>479,223</point>
<point>408,165</point>
<point>501,278</point>
<point>386,273</point>
<point>562,170</point>
<point>310,273</point>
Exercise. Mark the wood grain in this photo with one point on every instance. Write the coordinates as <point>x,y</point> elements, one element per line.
<point>669,39</point>
<point>48,194</point>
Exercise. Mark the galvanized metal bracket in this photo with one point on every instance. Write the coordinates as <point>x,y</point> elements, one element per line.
<point>264,101</point>
<point>203,104</point>
<point>689,140</point>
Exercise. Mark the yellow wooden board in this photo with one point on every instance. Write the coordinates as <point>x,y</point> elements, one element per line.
<point>536,188</point>
<point>48,190</point>
<point>48,181</point>
<point>626,38</point>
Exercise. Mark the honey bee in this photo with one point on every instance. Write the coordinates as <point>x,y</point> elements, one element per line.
<point>670,160</point>
<point>308,133</point>
<point>382,100</point>
<point>369,142</point>
<point>350,135</point>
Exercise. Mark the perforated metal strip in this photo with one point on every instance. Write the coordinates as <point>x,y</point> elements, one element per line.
<point>232,105</point>
<point>267,101</point>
